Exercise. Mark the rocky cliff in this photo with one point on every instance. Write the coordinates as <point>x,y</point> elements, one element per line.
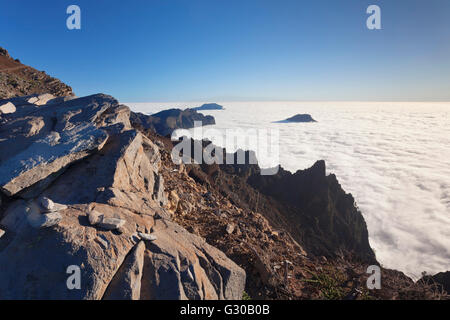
<point>82,188</point>
<point>165,122</point>
<point>88,185</point>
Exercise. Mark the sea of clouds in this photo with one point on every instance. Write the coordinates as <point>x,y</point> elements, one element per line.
<point>393,157</point>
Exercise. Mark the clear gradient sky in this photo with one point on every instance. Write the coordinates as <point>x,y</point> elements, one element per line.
<point>206,50</point>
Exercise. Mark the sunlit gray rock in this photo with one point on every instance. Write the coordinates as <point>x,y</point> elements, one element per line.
<point>7,107</point>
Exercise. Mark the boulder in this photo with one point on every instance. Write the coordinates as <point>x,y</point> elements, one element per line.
<point>180,265</point>
<point>34,263</point>
<point>30,212</point>
<point>47,204</point>
<point>147,236</point>
<point>76,171</point>
<point>122,174</point>
<point>45,220</point>
<point>7,107</point>
<point>230,228</point>
<point>111,223</point>
<point>126,284</point>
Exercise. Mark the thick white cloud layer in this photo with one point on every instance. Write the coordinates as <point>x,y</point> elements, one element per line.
<point>393,157</point>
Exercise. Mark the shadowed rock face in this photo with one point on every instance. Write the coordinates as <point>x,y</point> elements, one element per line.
<point>311,205</point>
<point>441,278</point>
<point>82,158</point>
<point>165,122</point>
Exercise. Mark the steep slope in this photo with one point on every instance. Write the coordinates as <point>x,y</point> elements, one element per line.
<point>81,188</point>
<point>17,79</point>
<point>88,183</point>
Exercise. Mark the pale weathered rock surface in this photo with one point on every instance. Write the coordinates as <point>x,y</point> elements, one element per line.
<point>33,213</point>
<point>167,121</point>
<point>83,189</point>
<point>180,265</point>
<point>46,220</point>
<point>39,99</point>
<point>230,228</point>
<point>17,79</point>
<point>111,223</point>
<point>34,263</point>
<point>44,140</point>
<point>95,217</point>
<point>46,203</point>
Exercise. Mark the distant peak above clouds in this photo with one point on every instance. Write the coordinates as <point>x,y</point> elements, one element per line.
<point>209,106</point>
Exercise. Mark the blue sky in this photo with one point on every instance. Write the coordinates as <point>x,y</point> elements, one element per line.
<point>206,50</point>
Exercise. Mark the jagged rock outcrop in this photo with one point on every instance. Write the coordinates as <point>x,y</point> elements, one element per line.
<point>199,271</point>
<point>309,204</point>
<point>442,279</point>
<point>17,79</point>
<point>82,188</point>
<point>165,122</point>
<point>7,107</point>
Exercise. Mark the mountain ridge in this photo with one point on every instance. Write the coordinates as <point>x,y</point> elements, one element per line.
<point>17,79</point>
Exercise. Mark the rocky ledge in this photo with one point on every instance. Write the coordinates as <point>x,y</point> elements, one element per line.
<point>298,235</point>
<point>208,106</point>
<point>81,187</point>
